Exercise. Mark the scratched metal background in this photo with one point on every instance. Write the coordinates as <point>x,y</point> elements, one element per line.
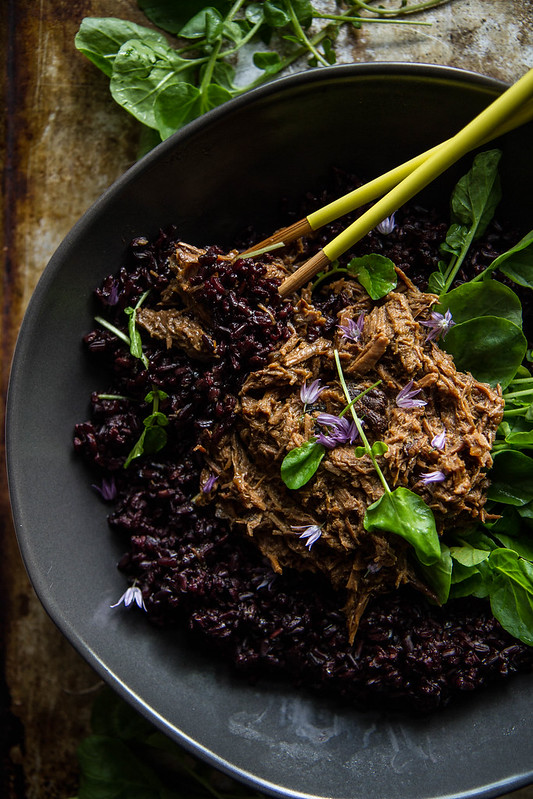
<point>63,142</point>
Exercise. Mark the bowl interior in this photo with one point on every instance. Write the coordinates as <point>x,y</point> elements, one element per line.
<point>239,166</point>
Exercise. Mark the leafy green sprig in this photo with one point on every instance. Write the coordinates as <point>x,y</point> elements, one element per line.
<point>153,436</point>
<point>166,83</point>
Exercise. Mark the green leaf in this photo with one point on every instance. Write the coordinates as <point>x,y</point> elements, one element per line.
<point>379,448</point>
<point>477,193</point>
<point>171,15</point>
<point>436,283</point>
<point>304,12</point>
<point>254,13</point>
<point>375,273</point>
<point>456,238</point>
<point>206,24</point>
<point>490,347</point>
<point>487,298</point>
<point>511,594</point>
<point>100,39</point>
<point>511,478</point>
<point>523,545</point>
<point>139,74</point>
<point>468,555</point>
<point>275,14</point>
<point>301,463</point>
<point>137,449</point>
<point>439,575</point>
<point>269,62</point>
<point>182,102</point>
<point>406,514</point>
<point>517,263</point>
<point>154,440</point>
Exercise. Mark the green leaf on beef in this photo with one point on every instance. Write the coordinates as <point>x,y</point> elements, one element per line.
<point>301,463</point>
<point>406,514</point>
<point>490,347</point>
<point>375,273</point>
<point>487,298</point>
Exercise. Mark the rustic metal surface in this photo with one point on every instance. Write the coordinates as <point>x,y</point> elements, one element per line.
<point>63,142</point>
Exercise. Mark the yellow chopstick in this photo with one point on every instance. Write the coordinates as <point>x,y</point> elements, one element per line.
<point>497,118</point>
<point>373,189</point>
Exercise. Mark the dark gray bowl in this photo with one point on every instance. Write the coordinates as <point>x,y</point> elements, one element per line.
<point>225,171</point>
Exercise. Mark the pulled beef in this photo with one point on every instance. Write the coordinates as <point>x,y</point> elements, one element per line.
<point>393,350</point>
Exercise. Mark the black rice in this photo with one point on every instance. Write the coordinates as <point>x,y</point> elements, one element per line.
<point>193,570</point>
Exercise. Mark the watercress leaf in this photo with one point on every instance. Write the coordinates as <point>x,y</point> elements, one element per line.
<point>477,193</point>
<point>156,393</point>
<point>156,418</point>
<point>207,24</point>
<point>155,439</point>
<point>359,452</point>
<point>520,439</point>
<point>523,545</point>
<point>182,102</point>
<point>139,74</point>
<point>270,62</point>
<point>100,39</point>
<point>136,347</point>
<point>275,14</point>
<point>301,463</point>
<point>379,448</point>
<point>171,16</point>
<point>254,13</point>
<point>375,273</point>
<point>439,575</point>
<point>490,347</point>
<point>137,449</point>
<point>436,283</point>
<point>473,584</point>
<point>517,263</point>
<point>511,478</point>
<point>406,514</point>
<point>304,12</point>
<point>456,238</point>
<point>468,555</point>
<point>511,593</point>
<point>488,298</point>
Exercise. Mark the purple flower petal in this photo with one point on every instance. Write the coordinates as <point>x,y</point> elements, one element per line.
<point>406,397</point>
<point>432,477</point>
<point>438,325</point>
<point>342,430</point>
<point>310,394</point>
<point>108,489</point>
<point>133,594</point>
<point>353,329</point>
<point>311,532</point>
<point>209,483</point>
<point>439,441</point>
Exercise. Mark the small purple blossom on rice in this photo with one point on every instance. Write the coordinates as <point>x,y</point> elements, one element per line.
<point>439,325</point>
<point>439,441</point>
<point>387,225</point>
<point>406,397</point>
<point>310,393</point>
<point>310,532</point>
<point>107,490</point>
<point>432,477</point>
<point>353,329</point>
<point>209,483</point>
<point>132,595</point>
<point>341,431</point>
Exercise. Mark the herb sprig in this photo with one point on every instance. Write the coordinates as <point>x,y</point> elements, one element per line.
<point>167,80</point>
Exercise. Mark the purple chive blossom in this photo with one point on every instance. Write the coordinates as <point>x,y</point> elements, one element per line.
<point>209,483</point>
<point>352,331</point>
<point>310,394</point>
<point>406,397</point>
<point>133,594</point>
<point>439,441</point>
<point>108,489</point>
<point>432,477</point>
<point>438,325</point>
<point>311,532</point>
<point>387,225</point>
<point>341,431</point>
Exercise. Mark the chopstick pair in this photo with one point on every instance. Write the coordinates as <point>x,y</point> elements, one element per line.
<point>510,110</point>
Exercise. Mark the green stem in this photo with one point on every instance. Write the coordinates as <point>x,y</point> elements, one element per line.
<point>455,265</point>
<point>364,439</point>
<point>302,35</point>
<point>363,20</point>
<point>514,394</point>
<point>118,333</point>
<point>402,10</point>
